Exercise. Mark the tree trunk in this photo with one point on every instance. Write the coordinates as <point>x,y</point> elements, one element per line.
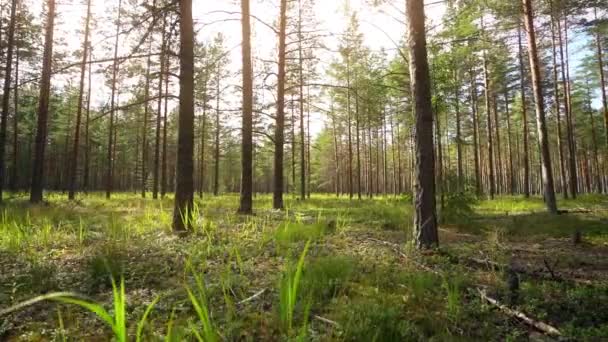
<point>568,105</point>
<point>164,166</point>
<point>350,139</point>
<point>560,143</point>
<point>511,178</point>
<point>110,160</point>
<point>184,190</point>
<point>476,144</point>
<point>547,172</point>
<point>425,217</point>
<point>74,162</point>
<point>43,107</point>
<point>524,116</point>
<point>15,164</point>
<point>162,58</point>
<point>246,202</point>
<point>6,91</point>
<point>144,143</point>
<point>491,180</point>
<point>216,178</point>
<point>87,138</point>
<point>279,133</point>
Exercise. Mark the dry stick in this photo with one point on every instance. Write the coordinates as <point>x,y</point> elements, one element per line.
<point>255,295</point>
<point>541,326</point>
<point>326,320</point>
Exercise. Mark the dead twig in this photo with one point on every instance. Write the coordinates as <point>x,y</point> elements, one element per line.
<point>538,325</point>
<point>255,295</point>
<point>326,320</point>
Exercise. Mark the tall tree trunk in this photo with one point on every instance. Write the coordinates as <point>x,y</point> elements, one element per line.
<point>358,142</point>
<point>336,150</point>
<point>308,143</point>
<point>547,172</point>
<point>524,115</point>
<point>560,143</point>
<point>399,164</point>
<point>459,159</point>
<point>350,139</point>
<point>74,162</point>
<point>164,165</point>
<point>43,107</point>
<point>6,91</point>
<point>499,165</point>
<point>568,106</point>
<point>246,202</point>
<point>476,144</point>
<point>87,138</point>
<point>159,113</point>
<point>279,132</point>
<point>144,143</point>
<point>293,144</point>
<point>201,185</point>
<point>216,171</point>
<point>394,158</point>
<point>184,190</point>
<point>486,77</point>
<point>301,94</point>
<point>384,154</point>
<point>110,161</point>
<point>425,217</point>
<point>15,163</point>
<point>511,178</point>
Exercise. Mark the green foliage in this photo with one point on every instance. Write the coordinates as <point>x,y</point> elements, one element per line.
<point>327,277</point>
<point>290,232</point>
<point>459,207</point>
<point>289,290</point>
<point>198,299</point>
<point>109,264</point>
<point>378,319</point>
<point>40,277</point>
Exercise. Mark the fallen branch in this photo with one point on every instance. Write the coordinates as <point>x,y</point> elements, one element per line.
<point>540,326</point>
<point>326,320</point>
<point>255,295</point>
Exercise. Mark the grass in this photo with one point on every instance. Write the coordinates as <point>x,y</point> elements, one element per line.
<point>308,265</point>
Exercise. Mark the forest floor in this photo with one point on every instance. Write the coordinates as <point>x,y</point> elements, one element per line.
<point>238,277</point>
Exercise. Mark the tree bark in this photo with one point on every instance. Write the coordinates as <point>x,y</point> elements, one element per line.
<point>159,114</point>
<point>246,202</point>
<point>87,138</point>
<point>560,143</point>
<point>476,144</point>
<point>524,116</point>
<point>279,132</point>
<point>6,91</point>
<point>43,107</point>
<point>110,159</point>
<point>425,217</point>
<point>547,172</point>
<point>568,104</point>
<point>15,164</point>
<point>76,149</point>
<point>184,190</point>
